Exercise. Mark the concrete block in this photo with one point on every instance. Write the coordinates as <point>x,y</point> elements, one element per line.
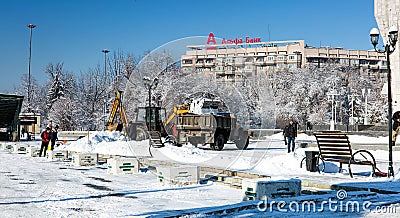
<point>258,189</point>
<point>57,155</point>
<point>182,175</point>
<point>122,165</point>
<point>233,180</point>
<point>33,151</point>
<point>84,159</point>
<point>20,148</point>
<point>10,147</point>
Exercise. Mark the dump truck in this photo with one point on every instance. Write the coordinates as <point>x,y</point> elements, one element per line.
<point>198,123</point>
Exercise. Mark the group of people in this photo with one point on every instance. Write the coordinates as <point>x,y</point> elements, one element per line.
<point>48,135</point>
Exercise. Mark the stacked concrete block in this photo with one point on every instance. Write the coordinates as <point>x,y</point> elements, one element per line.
<point>33,151</point>
<point>57,155</point>
<point>122,165</point>
<point>260,189</point>
<point>84,159</point>
<point>182,175</point>
<point>9,146</point>
<point>20,148</point>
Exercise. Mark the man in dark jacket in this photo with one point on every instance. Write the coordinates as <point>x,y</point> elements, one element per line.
<point>45,135</point>
<point>54,136</point>
<point>290,134</point>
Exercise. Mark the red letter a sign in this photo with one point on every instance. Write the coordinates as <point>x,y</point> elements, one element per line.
<point>211,39</point>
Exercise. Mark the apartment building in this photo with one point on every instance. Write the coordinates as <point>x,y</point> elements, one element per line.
<point>233,59</point>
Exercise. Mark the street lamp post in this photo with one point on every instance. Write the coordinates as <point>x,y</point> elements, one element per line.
<point>332,95</point>
<point>150,85</point>
<point>105,51</point>
<point>389,49</point>
<point>30,26</point>
<point>351,98</point>
<point>366,92</point>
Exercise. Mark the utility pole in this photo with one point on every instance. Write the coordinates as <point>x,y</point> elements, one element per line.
<point>30,26</point>
<point>105,51</point>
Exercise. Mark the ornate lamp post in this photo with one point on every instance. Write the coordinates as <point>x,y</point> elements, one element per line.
<point>389,49</point>
<point>150,85</point>
<point>30,26</point>
<point>332,95</point>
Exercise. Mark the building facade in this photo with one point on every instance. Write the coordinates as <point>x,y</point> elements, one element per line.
<point>232,60</point>
<point>386,15</point>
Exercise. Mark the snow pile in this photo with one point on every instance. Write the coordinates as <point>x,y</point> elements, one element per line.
<point>359,139</point>
<point>107,142</point>
<point>188,153</point>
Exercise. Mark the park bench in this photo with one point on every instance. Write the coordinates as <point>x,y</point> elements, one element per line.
<point>334,146</point>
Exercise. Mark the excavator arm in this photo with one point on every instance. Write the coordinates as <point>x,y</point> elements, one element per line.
<point>169,125</point>
<point>117,108</point>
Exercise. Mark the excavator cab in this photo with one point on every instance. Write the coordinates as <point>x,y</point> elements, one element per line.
<point>153,117</point>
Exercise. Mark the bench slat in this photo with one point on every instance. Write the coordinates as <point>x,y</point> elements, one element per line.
<point>336,160</point>
<point>336,157</point>
<point>332,136</point>
<point>333,145</point>
<point>347,153</point>
<point>334,142</point>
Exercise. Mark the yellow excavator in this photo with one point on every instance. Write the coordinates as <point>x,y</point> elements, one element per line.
<point>117,109</point>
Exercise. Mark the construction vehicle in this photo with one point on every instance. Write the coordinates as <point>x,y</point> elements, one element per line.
<point>117,109</point>
<point>133,130</point>
<point>199,122</point>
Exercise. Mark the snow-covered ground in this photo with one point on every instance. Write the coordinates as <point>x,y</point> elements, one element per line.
<point>36,187</point>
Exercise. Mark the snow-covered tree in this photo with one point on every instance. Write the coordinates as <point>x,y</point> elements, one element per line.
<point>59,83</point>
<point>303,94</point>
<point>91,96</point>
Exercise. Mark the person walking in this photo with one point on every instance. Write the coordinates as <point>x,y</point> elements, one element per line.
<point>290,135</point>
<point>45,135</point>
<point>54,136</point>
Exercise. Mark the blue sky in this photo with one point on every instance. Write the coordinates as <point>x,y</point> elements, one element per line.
<point>75,31</point>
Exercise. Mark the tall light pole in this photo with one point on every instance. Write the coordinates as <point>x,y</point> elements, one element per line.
<point>150,85</point>
<point>30,26</point>
<point>389,49</point>
<point>105,51</point>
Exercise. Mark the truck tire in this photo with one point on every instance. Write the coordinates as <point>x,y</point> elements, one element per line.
<point>242,144</point>
<point>219,142</point>
<point>141,134</point>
